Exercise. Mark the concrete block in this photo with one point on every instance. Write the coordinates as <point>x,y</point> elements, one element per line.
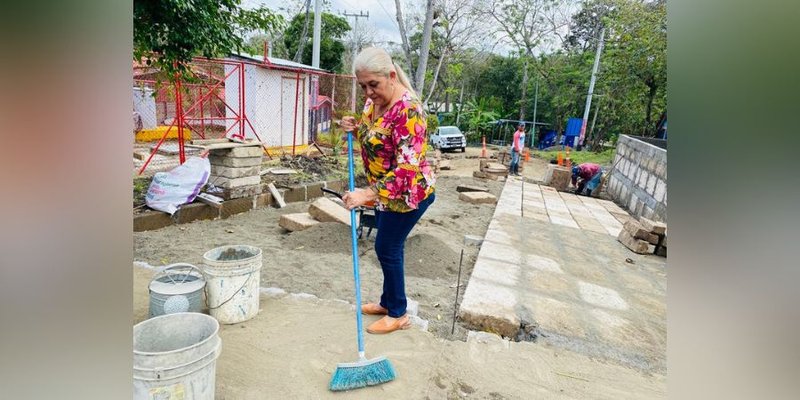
<point>297,222</point>
<point>445,165</point>
<point>295,194</point>
<point>338,186</point>
<point>651,184</point>
<point>314,190</point>
<point>325,210</point>
<point>635,229</point>
<point>262,200</point>
<point>471,188</point>
<point>234,162</point>
<point>477,197</point>
<point>557,177</point>
<point>228,183</point>
<point>484,175</point>
<point>235,206</point>
<point>234,172</point>
<point>636,245</point>
<point>660,191</point>
<point>490,307</point>
<point>196,212</point>
<point>242,191</point>
<point>277,196</point>
<point>151,220</point>
<point>245,152</point>
<point>659,228</point>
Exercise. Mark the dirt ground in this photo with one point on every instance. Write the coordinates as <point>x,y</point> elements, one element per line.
<point>275,355</point>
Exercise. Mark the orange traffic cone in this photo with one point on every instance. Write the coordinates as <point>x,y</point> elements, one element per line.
<point>527,155</point>
<point>560,158</point>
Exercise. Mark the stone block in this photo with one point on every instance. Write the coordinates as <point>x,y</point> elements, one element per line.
<point>635,229</point>
<point>151,220</point>
<point>557,177</point>
<point>659,228</point>
<point>636,245</point>
<point>295,194</point>
<point>325,210</point>
<point>490,307</point>
<point>477,197</point>
<point>235,206</point>
<point>484,175</point>
<point>239,152</point>
<point>651,184</point>
<point>314,190</point>
<point>297,222</point>
<point>445,165</point>
<point>660,191</point>
<point>338,186</point>
<point>242,191</point>
<point>277,196</point>
<point>661,251</point>
<point>234,172</point>
<point>471,188</point>
<point>262,200</point>
<point>663,242</point>
<point>234,162</point>
<point>196,212</point>
<point>229,183</point>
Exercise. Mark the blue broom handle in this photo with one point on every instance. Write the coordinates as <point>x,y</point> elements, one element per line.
<point>352,188</point>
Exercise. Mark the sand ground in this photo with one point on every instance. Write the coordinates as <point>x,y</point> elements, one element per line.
<point>291,348</point>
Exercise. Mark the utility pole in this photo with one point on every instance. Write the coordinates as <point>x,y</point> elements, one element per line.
<point>355,16</point>
<point>317,32</point>
<point>535,103</point>
<point>591,86</point>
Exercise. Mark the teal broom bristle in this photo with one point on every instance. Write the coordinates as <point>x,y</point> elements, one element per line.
<point>360,374</point>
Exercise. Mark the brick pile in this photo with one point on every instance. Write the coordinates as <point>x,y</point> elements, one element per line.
<point>644,236</point>
<point>236,171</point>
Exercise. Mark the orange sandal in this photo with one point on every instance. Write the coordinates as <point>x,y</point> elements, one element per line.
<point>373,309</point>
<point>388,324</point>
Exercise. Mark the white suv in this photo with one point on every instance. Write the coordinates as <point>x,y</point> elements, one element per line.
<point>448,137</point>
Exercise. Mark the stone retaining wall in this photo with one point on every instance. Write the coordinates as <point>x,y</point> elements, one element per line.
<point>639,180</point>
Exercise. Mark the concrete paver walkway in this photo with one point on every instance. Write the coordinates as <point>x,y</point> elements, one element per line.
<point>550,269</point>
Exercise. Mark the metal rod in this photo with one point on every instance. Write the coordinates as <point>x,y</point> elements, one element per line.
<point>458,287</point>
<point>296,99</point>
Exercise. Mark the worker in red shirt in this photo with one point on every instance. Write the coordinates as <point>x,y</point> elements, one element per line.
<point>517,144</point>
<point>589,175</point>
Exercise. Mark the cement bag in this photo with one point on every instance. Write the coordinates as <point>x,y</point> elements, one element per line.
<point>169,190</point>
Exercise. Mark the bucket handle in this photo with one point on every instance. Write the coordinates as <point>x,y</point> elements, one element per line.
<point>205,291</point>
<point>178,267</point>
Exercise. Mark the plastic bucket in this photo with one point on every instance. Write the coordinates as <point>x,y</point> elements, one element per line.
<point>178,288</point>
<point>233,278</point>
<point>175,357</point>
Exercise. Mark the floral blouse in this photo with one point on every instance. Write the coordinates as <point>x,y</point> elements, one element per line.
<point>393,150</point>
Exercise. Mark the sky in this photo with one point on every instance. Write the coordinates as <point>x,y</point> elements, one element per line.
<point>381,14</point>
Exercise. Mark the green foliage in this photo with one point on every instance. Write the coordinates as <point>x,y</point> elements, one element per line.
<point>605,157</point>
<point>169,33</point>
<point>432,123</point>
<point>331,48</point>
<point>480,114</point>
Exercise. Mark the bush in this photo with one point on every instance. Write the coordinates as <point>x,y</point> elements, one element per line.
<point>433,123</point>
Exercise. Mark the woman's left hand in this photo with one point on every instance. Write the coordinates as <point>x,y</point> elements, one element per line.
<point>357,198</point>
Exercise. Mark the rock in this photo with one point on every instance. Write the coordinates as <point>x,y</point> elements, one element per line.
<point>297,222</point>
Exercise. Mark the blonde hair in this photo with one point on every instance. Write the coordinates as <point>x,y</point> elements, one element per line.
<point>377,61</point>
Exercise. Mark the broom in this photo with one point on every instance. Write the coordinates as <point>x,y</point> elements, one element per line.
<point>363,372</point>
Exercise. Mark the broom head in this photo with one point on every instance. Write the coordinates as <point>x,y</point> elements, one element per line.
<point>362,373</point>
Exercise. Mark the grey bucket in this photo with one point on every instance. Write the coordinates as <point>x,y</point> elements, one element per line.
<point>233,279</point>
<point>178,288</point>
<point>175,357</point>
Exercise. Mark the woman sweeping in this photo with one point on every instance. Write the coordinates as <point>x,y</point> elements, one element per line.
<point>393,137</point>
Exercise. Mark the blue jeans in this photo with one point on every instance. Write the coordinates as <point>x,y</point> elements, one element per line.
<point>513,166</point>
<point>390,243</point>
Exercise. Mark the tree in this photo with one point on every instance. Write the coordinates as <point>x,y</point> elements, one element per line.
<point>169,33</point>
<point>331,48</point>
<point>527,24</point>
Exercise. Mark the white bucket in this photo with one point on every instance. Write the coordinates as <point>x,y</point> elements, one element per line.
<point>233,278</point>
<point>175,357</point>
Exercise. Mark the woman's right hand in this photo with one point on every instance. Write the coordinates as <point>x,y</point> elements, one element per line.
<point>348,123</point>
